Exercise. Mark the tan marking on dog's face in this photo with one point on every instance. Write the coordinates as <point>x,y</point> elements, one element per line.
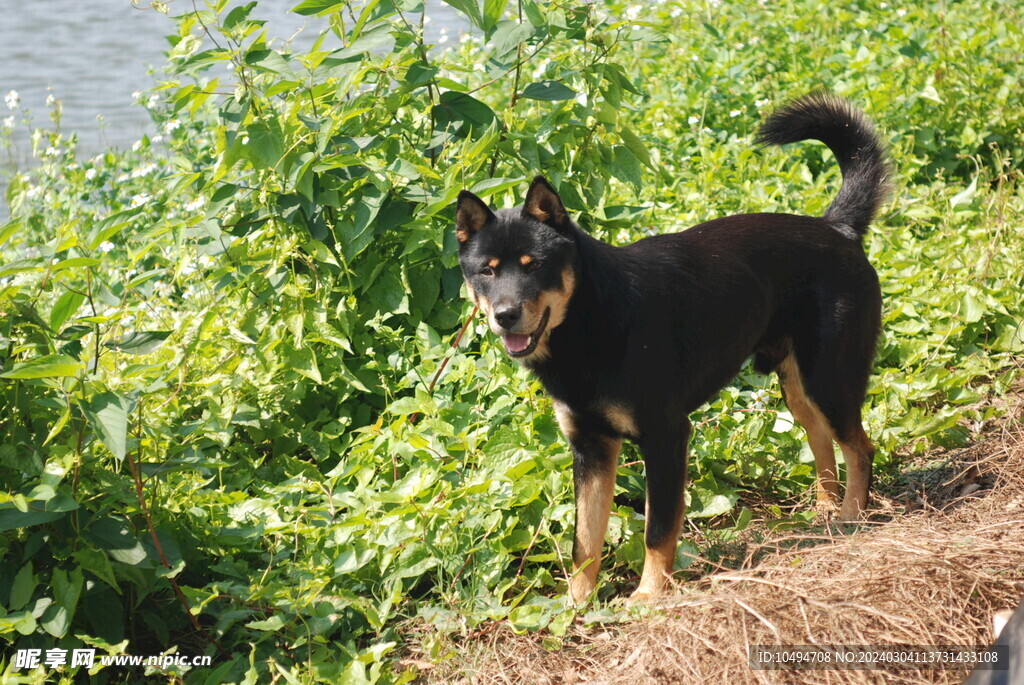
<point>558,302</point>
<point>470,291</point>
<point>485,306</point>
<point>494,262</point>
<point>526,260</point>
<point>621,419</point>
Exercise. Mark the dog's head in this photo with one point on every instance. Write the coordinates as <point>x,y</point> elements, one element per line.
<point>519,265</point>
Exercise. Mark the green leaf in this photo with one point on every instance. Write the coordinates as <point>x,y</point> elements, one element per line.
<point>461,113</point>
<point>67,588</point>
<point>548,90</point>
<point>470,8</point>
<point>75,262</point>
<point>139,342</point>
<point>96,562</point>
<point>319,7</point>
<point>21,590</point>
<point>108,415</point>
<point>116,539</point>
<point>266,143</point>
<point>51,510</point>
<point>49,366</point>
<point>65,307</point>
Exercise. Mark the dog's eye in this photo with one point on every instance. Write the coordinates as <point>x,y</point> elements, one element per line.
<point>487,271</point>
<point>536,264</point>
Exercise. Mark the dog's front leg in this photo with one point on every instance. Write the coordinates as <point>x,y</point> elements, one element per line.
<point>595,457</point>
<point>664,454</point>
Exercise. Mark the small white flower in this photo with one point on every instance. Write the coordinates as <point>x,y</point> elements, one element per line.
<point>12,99</point>
<point>735,113</point>
<point>740,46</point>
<point>140,199</point>
<point>109,311</point>
<point>694,58</point>
<point>206,261</point>
<point>33,192</point>
<point>153,101</point>
<point>136,95</point>
<point>760,397</point>
<point>632,12</point>
<point>106,246</point>
<point>51,152</point>
<point>50,100</point>
<point>760,103</point>
<point>156,139</point>
<point>195,205</point>
<point>693,120</point>
<point>171,125</point>
<point>901,13</point>
<point>136,146</point>
<point>143,171</point>
<point>622,236</point>
<point>90,174</point>
<point>8,123</point>
<point>122,178</point>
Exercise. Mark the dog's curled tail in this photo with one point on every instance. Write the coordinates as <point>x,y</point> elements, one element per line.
<point>853,140</point>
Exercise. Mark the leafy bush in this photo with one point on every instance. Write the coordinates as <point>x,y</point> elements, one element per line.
<point>214,346</point>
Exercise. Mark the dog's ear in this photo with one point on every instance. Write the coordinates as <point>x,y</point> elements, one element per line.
<point>471,214</point>
<point>544,205</point>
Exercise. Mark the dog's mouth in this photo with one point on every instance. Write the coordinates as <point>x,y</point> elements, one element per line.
<point>523,344</point>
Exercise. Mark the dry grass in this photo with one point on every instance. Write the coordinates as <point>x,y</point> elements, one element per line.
<point>932,576</point>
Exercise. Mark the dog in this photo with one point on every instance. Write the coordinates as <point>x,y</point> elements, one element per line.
<point>629,340</point>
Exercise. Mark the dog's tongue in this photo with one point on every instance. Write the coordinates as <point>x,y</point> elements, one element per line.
<point>515,342</point>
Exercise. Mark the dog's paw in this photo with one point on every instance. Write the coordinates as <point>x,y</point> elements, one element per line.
<point>642,597</point>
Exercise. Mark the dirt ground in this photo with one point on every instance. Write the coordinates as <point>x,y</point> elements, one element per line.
<point>944,556</point>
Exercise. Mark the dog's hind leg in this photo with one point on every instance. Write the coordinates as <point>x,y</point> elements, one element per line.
<point>833,364</point>
<point>595,456</point>
<point>819,433</point>
<point>664,454</point>
<point>859,454</point>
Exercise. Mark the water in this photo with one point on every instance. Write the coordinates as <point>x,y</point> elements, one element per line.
<point>93,54</point>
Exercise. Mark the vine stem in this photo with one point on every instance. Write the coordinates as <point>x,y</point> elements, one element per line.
<point>455,343</point>
<point>141,497</point>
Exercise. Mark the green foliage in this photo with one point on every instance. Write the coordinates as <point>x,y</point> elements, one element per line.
<point>213,344</point>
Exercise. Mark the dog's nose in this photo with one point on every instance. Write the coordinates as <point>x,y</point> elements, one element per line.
<point>507,317</point>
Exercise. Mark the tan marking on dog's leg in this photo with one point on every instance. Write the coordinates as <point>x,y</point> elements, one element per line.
<point>593,507</point>
<point>565,421</point>
<point>658,564</point>
<point>819,433</point>
<point>621,419</point>
<point>859,454</point>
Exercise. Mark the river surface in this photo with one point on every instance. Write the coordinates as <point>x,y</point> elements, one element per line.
<point>91,55</point>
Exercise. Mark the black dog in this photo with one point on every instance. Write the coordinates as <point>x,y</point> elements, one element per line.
<point>629,340</point>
